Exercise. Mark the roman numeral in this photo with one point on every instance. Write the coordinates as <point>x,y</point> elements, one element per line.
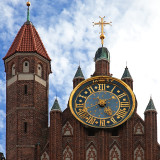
<point>113,88</point>
<point>82,96</point>
<point>79,105</point>
<point>121,113</point>
<point>121,95</point>
<point>90,89</point>
<point>102,122</point>
<point>124,104</point>
<point>90,120</point>
<point>113,120</point>
<point>102,87</point>
<point>82,114</point>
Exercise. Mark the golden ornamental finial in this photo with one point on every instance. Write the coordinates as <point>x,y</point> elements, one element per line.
<point>28,3</point>
<point>102,23</point>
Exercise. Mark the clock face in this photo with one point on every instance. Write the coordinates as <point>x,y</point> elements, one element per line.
<point>102,102</point>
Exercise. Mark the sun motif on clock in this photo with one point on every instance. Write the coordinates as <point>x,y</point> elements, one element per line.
<point>102,102</point>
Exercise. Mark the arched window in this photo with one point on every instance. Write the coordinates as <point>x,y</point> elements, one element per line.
<point>67,154</point>
<point>139,153</point>
<point>39,70</point>
<point>114,153</point>
<point>91,153</point>
<point>13,70</point>
<point>25,66</point>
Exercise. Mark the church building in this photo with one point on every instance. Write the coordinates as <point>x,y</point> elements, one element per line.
<point>100,121</point>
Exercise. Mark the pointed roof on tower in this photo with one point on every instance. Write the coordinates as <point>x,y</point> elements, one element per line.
<point>27,41</point>
<point>150,106</point>
<point>79,73</point>
<point>56,106</point>
<point>126,74</point>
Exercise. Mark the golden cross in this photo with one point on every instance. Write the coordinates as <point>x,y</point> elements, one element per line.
<point>102,23</point>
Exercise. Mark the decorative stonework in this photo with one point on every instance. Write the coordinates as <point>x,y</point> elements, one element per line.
<point>139,153</point>
<point>115,153</point>
<point>39,70</point>
<point>25,66</point>
<point>67,129</point>
<point>67,154</point>
<point>139,128</point>
<point>45,156</point>
<point>91,153</point>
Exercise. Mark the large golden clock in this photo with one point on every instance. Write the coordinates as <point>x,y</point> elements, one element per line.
<point>102,102</point>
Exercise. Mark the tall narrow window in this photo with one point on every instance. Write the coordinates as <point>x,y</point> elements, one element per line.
<point>25,66</point>
<point>13,69</point>
<point>91,132</point>
<point>25,127</point>
<point>25,89</point>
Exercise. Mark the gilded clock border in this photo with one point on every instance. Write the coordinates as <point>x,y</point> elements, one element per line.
<point>103,78</point>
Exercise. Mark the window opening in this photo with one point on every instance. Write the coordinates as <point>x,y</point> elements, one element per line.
<point>91,132</point>
<point>25,127</point>
<point>115,132</point>
<point>25,89</point>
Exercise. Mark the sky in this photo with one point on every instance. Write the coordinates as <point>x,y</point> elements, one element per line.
<point>67,32</point>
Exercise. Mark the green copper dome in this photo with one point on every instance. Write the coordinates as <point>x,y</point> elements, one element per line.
<point>79,73</point>
<point>56,105</point>
<point>150,106</point>
<point>102,53</point>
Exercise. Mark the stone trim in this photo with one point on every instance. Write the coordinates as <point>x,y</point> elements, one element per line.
<point>24,76</point>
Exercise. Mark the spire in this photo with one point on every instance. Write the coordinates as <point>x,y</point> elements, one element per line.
<point>150,105</point>
<point>126,73</point>
<point>79,73</point>
<point>28,16</point>
<point>56,106</point>
<point>27,41</point>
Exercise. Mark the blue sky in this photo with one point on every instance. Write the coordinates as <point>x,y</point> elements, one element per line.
<point>65,27</point>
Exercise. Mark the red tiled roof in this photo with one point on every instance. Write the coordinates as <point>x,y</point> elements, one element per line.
<point>27,40</point>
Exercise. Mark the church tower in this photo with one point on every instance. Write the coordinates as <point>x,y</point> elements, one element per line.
<point>27,67</point>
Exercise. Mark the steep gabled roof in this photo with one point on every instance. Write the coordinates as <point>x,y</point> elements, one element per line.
<point>79,73</point>
<point>27,40</point>
<point>126,74</point>
<point>150,106</point>
<point>56,106</point>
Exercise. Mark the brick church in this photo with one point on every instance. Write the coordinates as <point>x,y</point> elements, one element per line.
<point>30,137</point>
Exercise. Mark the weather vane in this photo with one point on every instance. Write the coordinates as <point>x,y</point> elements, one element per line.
<point>102,24</point>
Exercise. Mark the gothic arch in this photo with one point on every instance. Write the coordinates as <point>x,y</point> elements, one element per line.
<point>91,153</point>
<point>139,128</point>
<point>115,153</point>
<point>139,153</point>
<point>39,70</point>
<point>45,156</point>
<point>67,129</point>
<point>67,153</point>
<point>13,69</point>
<point>25,66</point>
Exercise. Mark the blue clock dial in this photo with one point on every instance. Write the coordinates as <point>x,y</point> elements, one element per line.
<point>102,102</point>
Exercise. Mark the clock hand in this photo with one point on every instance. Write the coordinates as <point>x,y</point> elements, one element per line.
<point>108,111</point>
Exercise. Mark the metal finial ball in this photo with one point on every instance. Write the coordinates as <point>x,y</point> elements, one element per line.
<point>28,3</point>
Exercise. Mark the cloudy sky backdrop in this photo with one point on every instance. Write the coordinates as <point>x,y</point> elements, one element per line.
<point>65,27</point>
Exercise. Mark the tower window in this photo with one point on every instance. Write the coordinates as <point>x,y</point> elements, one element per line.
<point>115,132</point>
<point>91,132</point>
<point>25,127</point>
<point>39,70</point>
<point>25,89</point>
<point>13,69</point>
<point>25,66</point>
